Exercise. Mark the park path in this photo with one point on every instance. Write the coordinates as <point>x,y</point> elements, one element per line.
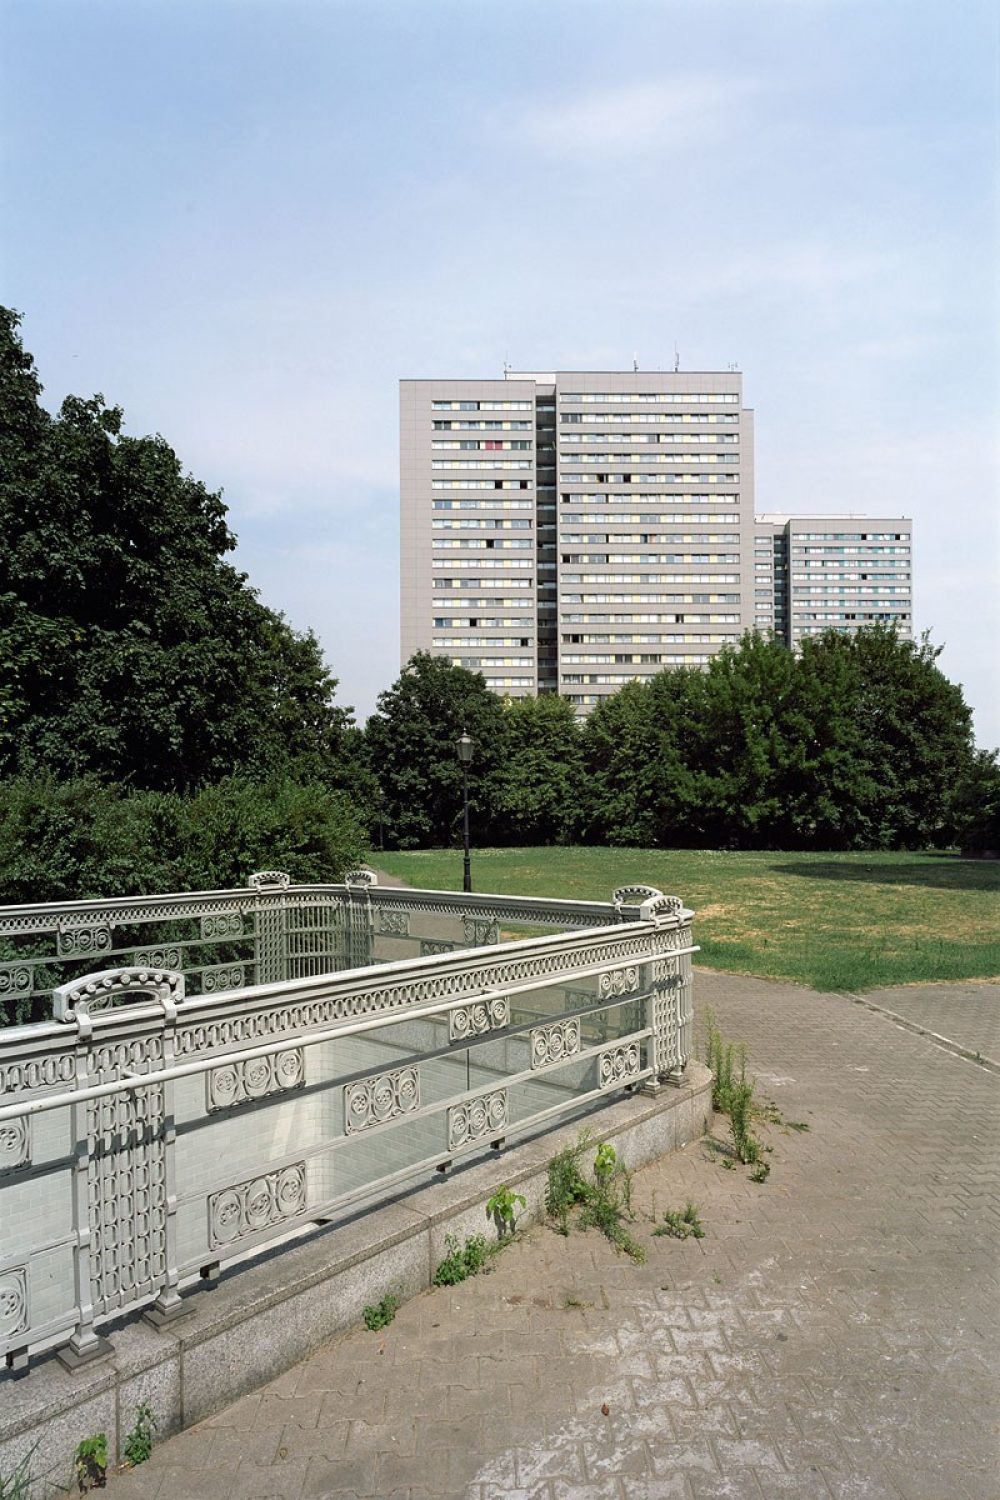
<point>834,1337</point>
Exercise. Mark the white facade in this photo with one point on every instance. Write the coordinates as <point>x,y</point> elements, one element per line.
<point>836,573</point>
<point>570,531</point>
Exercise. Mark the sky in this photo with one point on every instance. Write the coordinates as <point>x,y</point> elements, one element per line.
<point>244,221</point>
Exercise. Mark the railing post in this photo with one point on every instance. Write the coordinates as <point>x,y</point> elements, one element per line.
<point>270,925</point>
<point>168,1306</point>
<point>116,1140</point>
<point>85,1344</point>
<point>667,981</point>
<point>360,918</point>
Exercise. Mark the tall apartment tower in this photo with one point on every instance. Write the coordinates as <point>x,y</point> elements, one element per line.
<point>567,532</point>
<point>815,573</point>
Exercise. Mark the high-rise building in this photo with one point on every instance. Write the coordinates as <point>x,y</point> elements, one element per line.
<point>570,531</point>
<point>567,532</point>
<point>832,573</point>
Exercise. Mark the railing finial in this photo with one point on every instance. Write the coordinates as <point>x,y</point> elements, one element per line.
<point>82,998</point>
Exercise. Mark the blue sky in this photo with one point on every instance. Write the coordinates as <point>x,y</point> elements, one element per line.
<point>245,220</point>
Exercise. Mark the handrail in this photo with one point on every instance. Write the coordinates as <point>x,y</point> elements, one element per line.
<point>306,1039</point>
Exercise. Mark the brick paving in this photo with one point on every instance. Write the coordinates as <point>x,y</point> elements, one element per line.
<point>966,1014</point>
<point>834,1336</point>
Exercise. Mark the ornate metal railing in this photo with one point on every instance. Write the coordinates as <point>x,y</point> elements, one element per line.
<point>267,932</point>
<point>149,1134</point>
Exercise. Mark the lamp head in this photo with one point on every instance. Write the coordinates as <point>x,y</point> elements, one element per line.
<point>464,748</point>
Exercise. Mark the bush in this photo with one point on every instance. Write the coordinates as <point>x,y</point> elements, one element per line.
<point>67,841</point>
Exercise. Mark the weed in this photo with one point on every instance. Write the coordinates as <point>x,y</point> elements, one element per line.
<point>604,1203</point>
<point>17,1485</point>
<point>379,1314</point>
<point>719,1056</point>
<point>502,1206</point>
<point>733,1093</point>
<point>565,1187</point>
<point>681,1225</point>
<point>571,1301</point>
<point>138,1444</point>
<point>605,1212</point>
<point>605,1161</point>
<point>761,1172</point>
<point>90,1462</point>
<point>462,1261</point>
<point>746,1144</point>
<point>729,1164</point>
<point>767,1111</point>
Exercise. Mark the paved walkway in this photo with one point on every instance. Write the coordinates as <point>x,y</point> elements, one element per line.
<point>834,1337</point>
<point>968,1014</point>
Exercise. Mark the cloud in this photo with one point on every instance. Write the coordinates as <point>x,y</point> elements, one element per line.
<point>613,122</point>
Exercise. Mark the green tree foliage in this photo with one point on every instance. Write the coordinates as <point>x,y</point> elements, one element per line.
<point>911,732</point>
<point>129,647</point>
<point>856,742</point>
<point>538,790</point>
<point>976,805</point>
<point>643,784</point>
<point>411,742</point>
<point>82,838</point>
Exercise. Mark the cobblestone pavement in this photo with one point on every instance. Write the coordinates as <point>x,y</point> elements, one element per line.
<point>834,1336</point>
<point>967,1014</point>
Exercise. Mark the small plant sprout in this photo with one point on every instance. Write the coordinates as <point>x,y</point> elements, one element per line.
<point>682,1224</point>
<point>90,1462</point>
<point>16,1485</point>
<point>138,1444</point>
<point>379,1314</point>
<point>463,1261</point>
<point>502,1207</point>
<point>604,1204</point>
<point>761,1172</point>
<point>605,1161</point>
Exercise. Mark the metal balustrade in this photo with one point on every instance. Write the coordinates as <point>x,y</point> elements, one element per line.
<point>156,1129</point>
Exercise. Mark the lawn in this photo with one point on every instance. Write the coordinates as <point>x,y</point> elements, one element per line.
<point>833,921</point>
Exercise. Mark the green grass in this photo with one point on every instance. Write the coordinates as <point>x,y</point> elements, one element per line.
<point>850,922</point>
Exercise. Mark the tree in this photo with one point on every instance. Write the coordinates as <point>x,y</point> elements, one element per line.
<point>642,763</point>
<point>129,646</point>
<point>411,741</point>
<point>539,785</point>
<point>853,742</point>
<point>905,733</point>
<point>976,806</point>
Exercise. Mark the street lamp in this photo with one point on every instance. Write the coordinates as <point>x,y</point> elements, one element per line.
<point>464,750</point>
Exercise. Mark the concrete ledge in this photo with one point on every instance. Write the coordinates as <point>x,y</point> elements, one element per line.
<point>267,1314</point>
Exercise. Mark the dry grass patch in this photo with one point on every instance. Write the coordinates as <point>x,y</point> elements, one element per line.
<point>833,921</point>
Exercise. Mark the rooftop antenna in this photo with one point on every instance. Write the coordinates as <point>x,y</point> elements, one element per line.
<point>506,367</point>
<point>635,363</point>
<point>677,359</point>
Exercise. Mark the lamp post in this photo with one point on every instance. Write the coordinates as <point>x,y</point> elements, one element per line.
<point>464,750</point>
